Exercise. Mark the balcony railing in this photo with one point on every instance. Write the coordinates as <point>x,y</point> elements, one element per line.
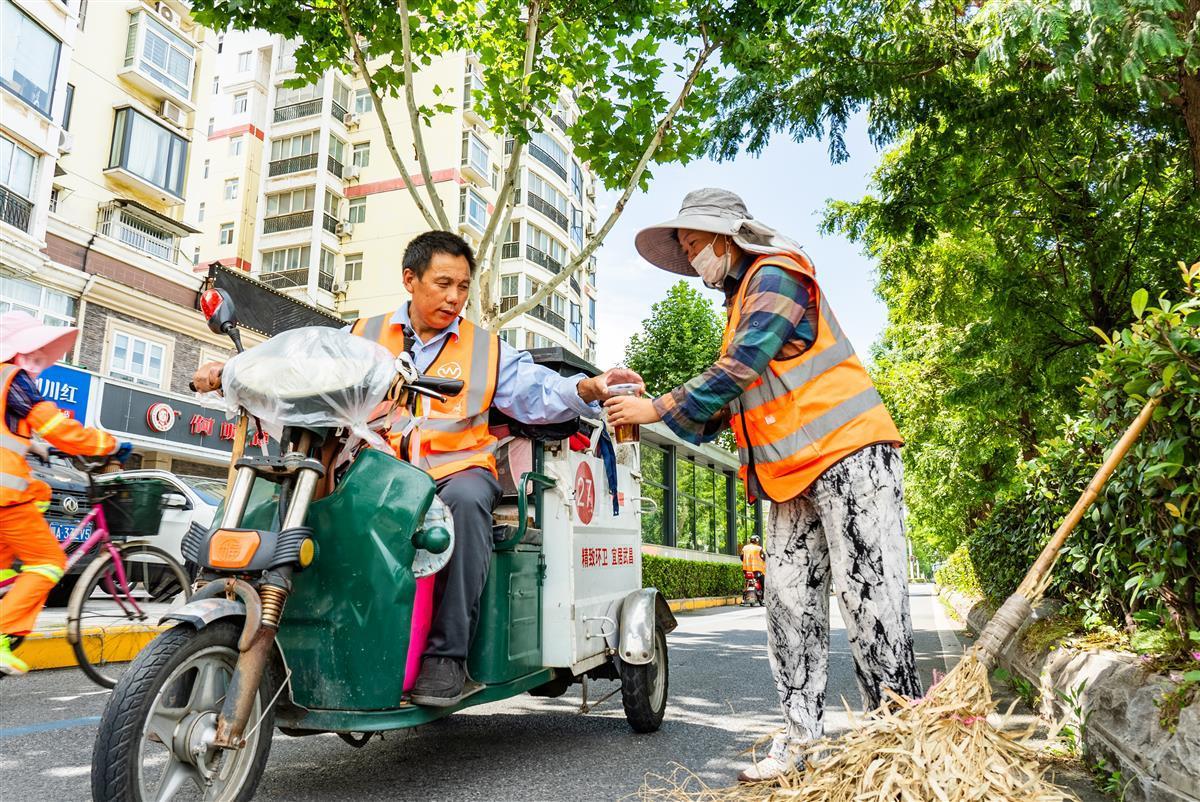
<point>334,166</point>
<point>137,233</point>
<point>548,160</point>
<point>574,283</point>
<point>553,318</point>
<point>337,111</point>
<point>540,257</point>
<point>329,223</point>
<point>305,108</point>
<point>538,203</point>
<point>325,281</point>
<point>287,222</point>
<point>511,250</point>
<point>560,122</point>
<point>14,209</point>
<point>283,279</point>
<point>293,164</point>
<point>508,302</point>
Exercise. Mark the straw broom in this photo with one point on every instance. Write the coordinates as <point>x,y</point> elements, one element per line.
<point>940,747</point>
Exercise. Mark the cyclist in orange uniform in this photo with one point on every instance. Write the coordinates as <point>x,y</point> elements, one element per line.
<point>26,349</point>
<point>753,562</point>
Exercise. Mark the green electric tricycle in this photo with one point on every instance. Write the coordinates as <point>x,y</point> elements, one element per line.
<point>315,587</point>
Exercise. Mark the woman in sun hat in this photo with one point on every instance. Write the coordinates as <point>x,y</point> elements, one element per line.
<point>814,438</point>
<point>26,349</point>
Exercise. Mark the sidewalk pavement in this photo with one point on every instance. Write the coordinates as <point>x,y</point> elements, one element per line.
<point>48,647</point>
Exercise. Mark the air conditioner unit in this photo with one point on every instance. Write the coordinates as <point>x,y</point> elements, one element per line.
<point>350,119</point>
<point>171,113</point>
<point>351,173</point>
<point>589,230</point>
<point>165,12</point>
<point>337,289</point>
<point>343,229</point>
<point>66,142</point>
<point>591,192</point>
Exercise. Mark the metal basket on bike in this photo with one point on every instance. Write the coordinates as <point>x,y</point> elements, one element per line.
<point>133,509</point>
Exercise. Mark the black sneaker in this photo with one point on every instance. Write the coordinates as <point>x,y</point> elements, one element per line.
<point>440,683</point>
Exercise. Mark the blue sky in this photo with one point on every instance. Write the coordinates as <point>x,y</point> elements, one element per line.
<point>786,187</point>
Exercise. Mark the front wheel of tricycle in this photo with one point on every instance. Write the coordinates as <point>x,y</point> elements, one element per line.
<point>644,687</point>
<point>155,737</point>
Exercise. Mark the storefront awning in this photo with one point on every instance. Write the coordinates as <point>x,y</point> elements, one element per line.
<point>263,309</point>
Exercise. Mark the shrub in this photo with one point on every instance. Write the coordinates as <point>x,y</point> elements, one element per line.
<point>1135,557</point>
<point>689,579</point>
<point>958,573</point>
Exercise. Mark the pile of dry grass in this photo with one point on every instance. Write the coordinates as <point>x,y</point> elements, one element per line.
<point>939,748</point>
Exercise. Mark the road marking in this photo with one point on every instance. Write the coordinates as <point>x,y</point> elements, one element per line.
<point>952,645</point>
<point>49,726</point>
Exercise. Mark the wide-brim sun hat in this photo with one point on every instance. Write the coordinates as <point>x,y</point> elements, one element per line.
<point>21,333</point>
<point>717,211</point>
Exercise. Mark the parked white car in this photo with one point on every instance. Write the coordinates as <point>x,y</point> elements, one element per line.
<point>194,500</point>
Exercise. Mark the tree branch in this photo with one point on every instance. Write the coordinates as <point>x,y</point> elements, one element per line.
<point>410,98</point>
<point>361,61</point>
<point>651,148</point>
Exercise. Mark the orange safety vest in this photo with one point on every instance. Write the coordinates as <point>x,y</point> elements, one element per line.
<point>454,434</point>
<point>17,484</point>
<point>752,558</point>
<point>805,414</point>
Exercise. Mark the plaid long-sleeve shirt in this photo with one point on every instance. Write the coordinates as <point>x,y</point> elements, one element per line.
<point>777,320</point>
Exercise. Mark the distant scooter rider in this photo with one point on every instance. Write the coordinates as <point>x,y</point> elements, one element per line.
<point>754,563</point>
<point>26,349</point>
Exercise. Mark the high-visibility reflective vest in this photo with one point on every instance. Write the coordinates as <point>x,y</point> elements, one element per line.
<point>454,435</point>
<point>752,558</point>
<point>17,484</point>
<point>805,414</point>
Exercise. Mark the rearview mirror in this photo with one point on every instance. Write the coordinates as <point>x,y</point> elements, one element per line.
<point>218,310</point>
<point>174,501</point>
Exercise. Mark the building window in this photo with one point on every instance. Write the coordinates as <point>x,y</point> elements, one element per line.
<point>196,261</point>
<point>244,61</point>
<point>143,233</point>
<point>288,96</point>
<point>353,270</point>
<point>286,267</point>
<point>545,251</point>
<point>341,99</point>
<point>510,286</point>
<point>16,168</point>
<point>325,270</point>
<point>50,307</point>
<point>577,226</point>
<point>67,106</point>
<point>137,359</point>
<point>149,151</point>
<point>362,154</point>
<point>549,201</point>
<point>241,103</point>
<point>509,336</point>
<point>337,153</point>
<point>362,101</point>
<point>165,57</point>
<point>592,313</point>
<point>577,181</point>
<point>358,211</point>
<point>29,66</point>
<point>546,150</point>
<point>207,164</point>
<point>200,213</point>
<point>54,199</point>
<point>231,189</point>
<point>235,145</point>
<point>298,200</point>
<point>576,323</point>
<point>226,234</point>
<point>512,242</point>
<point>654,487</point>
<point>83,4</point>
<point>299,145</point>
<point>220,42</point>
<point>472,209</point>
<point>475,154</point>
<point>535,340</point>
<point>211,120</point>
<point>217,85</point>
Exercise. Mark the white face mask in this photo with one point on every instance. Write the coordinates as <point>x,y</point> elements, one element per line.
<point>33,363</point>
<point>712,268</point>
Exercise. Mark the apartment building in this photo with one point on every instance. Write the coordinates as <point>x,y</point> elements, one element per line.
<point>332,216</point>
<point>101,104</point>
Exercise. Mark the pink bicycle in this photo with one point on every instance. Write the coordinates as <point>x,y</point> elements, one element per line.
<point>121,595</point>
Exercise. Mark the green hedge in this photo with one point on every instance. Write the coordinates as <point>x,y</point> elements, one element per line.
<point>958,573</point>
<point>689,579</point>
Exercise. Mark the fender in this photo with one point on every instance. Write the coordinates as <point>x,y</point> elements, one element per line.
<point>640,612</point>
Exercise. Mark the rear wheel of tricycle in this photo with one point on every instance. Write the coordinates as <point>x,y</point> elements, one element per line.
<point>644,687</point>
<point>155,738</point>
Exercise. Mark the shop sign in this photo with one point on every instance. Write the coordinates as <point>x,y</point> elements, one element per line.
<point>151,415</point>
<point>68,388</point>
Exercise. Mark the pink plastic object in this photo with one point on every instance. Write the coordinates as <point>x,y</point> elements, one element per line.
<point>422,618</point>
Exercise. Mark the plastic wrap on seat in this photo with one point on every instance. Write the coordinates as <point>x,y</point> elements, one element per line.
<point>314,377</point>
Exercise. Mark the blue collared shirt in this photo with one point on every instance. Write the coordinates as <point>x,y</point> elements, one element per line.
<point>525,391</point>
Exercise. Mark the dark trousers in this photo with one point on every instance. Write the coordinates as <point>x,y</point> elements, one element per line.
<point>471,496</point>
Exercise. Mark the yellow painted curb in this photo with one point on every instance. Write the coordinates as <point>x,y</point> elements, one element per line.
<point>681,605</point>
<point>51,649</point>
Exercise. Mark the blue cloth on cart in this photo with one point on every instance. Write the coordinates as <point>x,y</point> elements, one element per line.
<point>609,455</point>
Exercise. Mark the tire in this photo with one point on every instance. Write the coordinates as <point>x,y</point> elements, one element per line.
<point>156,681</point>
<point>108,624</point>
<point>60,594</point>
<point>644,688</point>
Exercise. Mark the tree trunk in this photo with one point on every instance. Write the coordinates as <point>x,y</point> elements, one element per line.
<point>1189,90</point>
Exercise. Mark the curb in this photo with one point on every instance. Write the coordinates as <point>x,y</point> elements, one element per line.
<point>50,649</point>
<point>1115,697</point>
<point>702,603</point>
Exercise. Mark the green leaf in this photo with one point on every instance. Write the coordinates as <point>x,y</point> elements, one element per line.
<point>1140,299</point>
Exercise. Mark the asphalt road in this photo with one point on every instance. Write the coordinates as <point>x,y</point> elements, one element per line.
<point>721,702</point>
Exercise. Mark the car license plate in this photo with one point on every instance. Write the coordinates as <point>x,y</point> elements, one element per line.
<point>63,529</point>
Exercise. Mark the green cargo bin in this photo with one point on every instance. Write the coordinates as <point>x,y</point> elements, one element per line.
<point>134,507</point>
